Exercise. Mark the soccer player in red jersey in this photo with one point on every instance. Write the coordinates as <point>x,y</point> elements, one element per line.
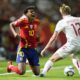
<point>28,26</point>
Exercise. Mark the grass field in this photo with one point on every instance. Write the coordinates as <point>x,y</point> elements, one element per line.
<point>56,73</point>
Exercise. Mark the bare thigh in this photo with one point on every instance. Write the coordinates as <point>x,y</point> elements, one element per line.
<point>62,52</point>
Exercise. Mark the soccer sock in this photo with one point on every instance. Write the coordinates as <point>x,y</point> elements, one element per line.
<point>47,66</point>
<point>76,64</point>
<point>15,69</point>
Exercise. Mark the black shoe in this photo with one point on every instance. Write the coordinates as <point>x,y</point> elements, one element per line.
<point>42,75</point>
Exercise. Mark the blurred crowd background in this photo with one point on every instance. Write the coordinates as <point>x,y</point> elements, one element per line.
<point>48,13</point>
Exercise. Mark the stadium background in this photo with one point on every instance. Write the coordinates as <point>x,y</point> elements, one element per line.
<point>48,13</point>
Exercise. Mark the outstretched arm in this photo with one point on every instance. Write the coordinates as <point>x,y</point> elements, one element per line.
<point>52,40</point>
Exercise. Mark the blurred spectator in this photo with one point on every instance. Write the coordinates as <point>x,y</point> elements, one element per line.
<point>77,9</point>
<point>9,43</point>
<point>44,5</point>
<point>46,31</point>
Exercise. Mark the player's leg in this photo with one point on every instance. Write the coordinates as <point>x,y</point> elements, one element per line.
<point>21,67</point>
<point>76,62</point>
<point>35,70</point>
<point>55,57</point>
<point>59,54</point>
<point>33,59</point>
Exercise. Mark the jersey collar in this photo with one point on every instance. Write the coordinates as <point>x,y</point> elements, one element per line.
<point>66,16</point>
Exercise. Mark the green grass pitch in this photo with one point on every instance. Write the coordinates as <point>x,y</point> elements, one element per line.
<point>56,73</point>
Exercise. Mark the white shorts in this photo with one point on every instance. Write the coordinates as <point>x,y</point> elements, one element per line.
<point>67,49</point>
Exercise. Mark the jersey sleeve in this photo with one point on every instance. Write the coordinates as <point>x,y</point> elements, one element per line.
<point>60,26</point>
<point>16,23</point>
<point>19,21</point>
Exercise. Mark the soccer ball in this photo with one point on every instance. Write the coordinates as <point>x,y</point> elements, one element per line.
<point>69,71</point>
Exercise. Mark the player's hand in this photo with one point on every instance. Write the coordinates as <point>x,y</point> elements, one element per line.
<point>43,52</point>
<point>16,35</point>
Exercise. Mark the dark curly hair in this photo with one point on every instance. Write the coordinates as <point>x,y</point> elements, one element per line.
<point>28,8</point>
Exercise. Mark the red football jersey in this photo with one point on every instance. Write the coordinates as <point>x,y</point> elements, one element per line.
<point>28,32</point>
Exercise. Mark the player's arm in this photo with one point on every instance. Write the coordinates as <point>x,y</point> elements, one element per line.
<point>52,40</point>
<point>59,27</point>
<point>12,27</point>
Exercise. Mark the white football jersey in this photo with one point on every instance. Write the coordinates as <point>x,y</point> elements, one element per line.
<point>71,27</point>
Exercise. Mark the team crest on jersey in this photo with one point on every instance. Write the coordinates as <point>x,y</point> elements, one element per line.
<point>31,26</point>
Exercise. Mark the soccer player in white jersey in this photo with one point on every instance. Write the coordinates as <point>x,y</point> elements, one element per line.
<point>71,27</point>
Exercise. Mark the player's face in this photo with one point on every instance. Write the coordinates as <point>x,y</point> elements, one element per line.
<point>31,13</point>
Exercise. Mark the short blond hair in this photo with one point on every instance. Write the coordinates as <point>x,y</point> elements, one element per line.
<point>65,9</point>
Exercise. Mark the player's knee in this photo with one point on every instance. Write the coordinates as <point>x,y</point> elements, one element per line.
<point>22,73</point>
<point>52,59</point>
<point>55,58</point>
<point>37,73</point>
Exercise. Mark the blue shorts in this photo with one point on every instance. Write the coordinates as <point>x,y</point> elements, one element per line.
<point>30,54</point>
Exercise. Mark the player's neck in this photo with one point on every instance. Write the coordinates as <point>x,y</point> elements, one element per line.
<point>65,16</point>
<point>30,19</point>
